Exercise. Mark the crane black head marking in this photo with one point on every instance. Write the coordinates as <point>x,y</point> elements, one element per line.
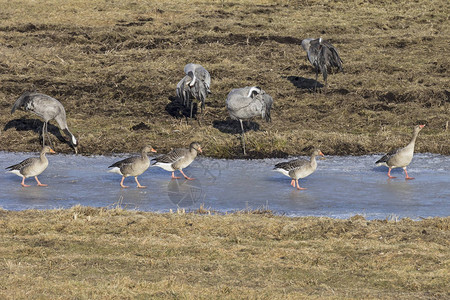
<point>254,90</point>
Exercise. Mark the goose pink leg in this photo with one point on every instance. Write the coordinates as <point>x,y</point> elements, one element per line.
<point>121,182</point>
<point>188,178</point>
<point>138,184</point>
<point>23,182</point>
<point>38,182</point>
<point>173,176</point>
<point>407,176</point>
<point>389,174</point>
<point>299,188</point>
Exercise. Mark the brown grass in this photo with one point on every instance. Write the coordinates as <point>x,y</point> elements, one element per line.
<point>94,253</point>
<point>115,65</point>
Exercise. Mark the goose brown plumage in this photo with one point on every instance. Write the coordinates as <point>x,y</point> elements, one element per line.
<point>133,166</point>
<point>177,159</point>
<point>32,166</point>
<point>298,168</point>
<point>400,158</point>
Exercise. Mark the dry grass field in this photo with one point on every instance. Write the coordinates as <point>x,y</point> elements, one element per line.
<point>115,66</point>
<point>89,253</point>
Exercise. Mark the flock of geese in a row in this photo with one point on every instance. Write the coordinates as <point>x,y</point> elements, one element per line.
<point>177,159</point>
<point>242,104</point>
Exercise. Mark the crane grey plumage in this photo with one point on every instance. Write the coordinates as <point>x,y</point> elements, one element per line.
<point>248,102</point>
<point>196,84</point>
<point>47,108</point>
<point>323,56</point>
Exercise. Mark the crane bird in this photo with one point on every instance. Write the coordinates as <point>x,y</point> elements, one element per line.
<point>196,84</point>
<point>400,158</point>
<point>47,108</point>
<point>323,56</point>
<point>248,102</point>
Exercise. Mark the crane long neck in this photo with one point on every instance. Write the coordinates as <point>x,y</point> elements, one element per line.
<point>73,140</point>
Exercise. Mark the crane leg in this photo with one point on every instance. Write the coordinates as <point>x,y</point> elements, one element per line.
<point>192,107</point>
<point>48,136</point>
<point>43,134</point>
<point>315,84</point>
<point>243,137</point>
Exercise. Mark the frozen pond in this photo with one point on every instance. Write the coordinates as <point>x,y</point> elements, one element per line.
<point>341,187</point>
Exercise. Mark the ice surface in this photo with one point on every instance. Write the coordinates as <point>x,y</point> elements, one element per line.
<point>341,187</point>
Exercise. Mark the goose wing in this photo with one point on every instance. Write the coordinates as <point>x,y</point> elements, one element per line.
<point>388,156</point>
<point>22,164</point>
<point>292,165</point>
<point>124,162</point>
<point>171,157</point>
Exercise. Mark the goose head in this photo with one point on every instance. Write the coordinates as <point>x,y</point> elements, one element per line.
<point>317,152</point>
<point>148,148</point>
<point>47,149</point>
<point>196,146</point>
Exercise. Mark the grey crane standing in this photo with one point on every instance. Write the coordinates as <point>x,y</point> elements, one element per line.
<point>248,102</point>
<point>323,56</point>
<point>196,84</point>
<point>47,108</point>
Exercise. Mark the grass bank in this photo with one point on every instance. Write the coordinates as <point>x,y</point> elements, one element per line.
<point>115,65</point>
<point>95,253</point>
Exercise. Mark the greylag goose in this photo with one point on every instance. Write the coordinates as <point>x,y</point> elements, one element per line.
<point>177,159</point>
<point>196,84</point>
<point>32,166</point>
<point>248,102</point>
<point>132,166</point>
<point>47,108</point>
<point>400,158</point>
<point>298,168</point>
<point>323,56</point>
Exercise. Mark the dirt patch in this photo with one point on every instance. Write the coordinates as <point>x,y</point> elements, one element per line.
<point>117,68</point>
<point>252,40</point>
